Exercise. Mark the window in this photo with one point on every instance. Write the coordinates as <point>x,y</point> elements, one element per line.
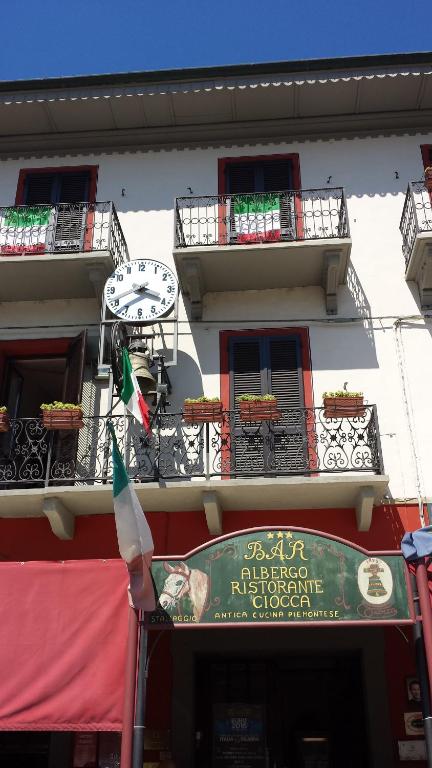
<point>274,362</point>
<point>60,211</point>
<point>261,201</point>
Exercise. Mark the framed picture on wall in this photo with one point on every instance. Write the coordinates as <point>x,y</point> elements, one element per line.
<point>413,690</point>
<point>414,724</point>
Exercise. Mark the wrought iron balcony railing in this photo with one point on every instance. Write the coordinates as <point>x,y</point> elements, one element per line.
<point>62,228</point>
<point>416,216</point>
<point>302,442</point>
<point>306,214</point>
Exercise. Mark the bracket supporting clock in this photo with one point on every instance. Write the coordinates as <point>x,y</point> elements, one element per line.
<point>141,294</point>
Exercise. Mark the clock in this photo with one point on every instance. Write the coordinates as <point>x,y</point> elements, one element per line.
<point>141,291</point>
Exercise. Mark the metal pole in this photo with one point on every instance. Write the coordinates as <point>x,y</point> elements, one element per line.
<point>422,674</point>
<point>138,733</point>
<point>129,694</point>
<point>426,614</point>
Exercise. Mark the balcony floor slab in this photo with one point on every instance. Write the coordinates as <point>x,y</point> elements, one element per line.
<point>266,493</point>
<point>52,275</point>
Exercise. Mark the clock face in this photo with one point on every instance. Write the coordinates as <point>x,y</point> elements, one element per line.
<point>141,290</point>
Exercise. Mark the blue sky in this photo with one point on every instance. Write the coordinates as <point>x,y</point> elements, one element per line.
<point>48,38</point>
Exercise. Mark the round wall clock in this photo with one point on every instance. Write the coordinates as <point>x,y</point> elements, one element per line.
<point>141,291</point>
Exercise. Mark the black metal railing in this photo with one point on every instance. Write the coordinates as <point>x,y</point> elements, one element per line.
<point>306,214</point>
<point>62,228</point>
<point>416,215</point>
<point>304,441</point>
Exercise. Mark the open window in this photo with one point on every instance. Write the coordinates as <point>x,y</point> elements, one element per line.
<point>35,372</point>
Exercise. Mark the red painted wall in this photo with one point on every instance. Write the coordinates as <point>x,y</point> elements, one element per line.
<point>178,533</point>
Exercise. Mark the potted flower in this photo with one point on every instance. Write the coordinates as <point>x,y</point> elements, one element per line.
<point>58,415</point>
<point>258,408</point>
<point>4,419</point>
<point>339,404</point>
<point>428,178</point>
<point>198,410</point>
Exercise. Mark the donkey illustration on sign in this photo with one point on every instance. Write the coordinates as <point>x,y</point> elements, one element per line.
<point>183,581</point>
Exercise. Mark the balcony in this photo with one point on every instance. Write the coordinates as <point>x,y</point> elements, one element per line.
<point>58,252</point>
<point>302,461</point>
<point>416,229</point>
<point>256,241</point>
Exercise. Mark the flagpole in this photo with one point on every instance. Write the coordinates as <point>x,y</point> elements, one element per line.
<point>141,692</point>
<point>422,673</point>
<point>129,694</point>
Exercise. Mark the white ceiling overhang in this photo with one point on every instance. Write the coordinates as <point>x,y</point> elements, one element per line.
<point>160,113</point>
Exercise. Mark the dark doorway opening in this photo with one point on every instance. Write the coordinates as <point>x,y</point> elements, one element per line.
<point>284,712</point>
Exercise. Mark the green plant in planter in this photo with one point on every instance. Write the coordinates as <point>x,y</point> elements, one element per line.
<point>255,398</point>
<point>342,393</point>
<point>57,405</point>
<point>202,399</point>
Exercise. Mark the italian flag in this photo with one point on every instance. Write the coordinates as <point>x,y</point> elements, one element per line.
<point>132,395</point>
<point>24,229</point>
<point>256,217</point>
<point>134,536</point>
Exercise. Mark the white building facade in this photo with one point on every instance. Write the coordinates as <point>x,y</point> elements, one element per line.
<point>290,202</point>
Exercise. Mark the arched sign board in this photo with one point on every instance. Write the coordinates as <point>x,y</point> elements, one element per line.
<point>280,576</point>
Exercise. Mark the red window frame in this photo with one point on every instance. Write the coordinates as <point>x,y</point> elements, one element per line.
<point>426,152</point>
<point>93,172</point>
<point>292,157</point>
<point>306,362</point>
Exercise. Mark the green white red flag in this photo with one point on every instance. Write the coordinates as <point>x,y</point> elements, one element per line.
<point>132,395</point>
<point>134,536</point>
<point>256,217</point>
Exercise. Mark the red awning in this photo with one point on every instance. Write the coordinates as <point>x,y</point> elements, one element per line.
<point>63,629</point>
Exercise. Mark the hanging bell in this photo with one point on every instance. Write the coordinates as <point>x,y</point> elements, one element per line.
<point>140,362</point>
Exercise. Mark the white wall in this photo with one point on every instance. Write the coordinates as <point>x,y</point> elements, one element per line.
<point>357,346</point>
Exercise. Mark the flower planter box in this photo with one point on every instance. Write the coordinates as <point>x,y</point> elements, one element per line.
<point>61,419</point>
<point>201,413</point>
<point>259,410</point>
<point>343,407</point>
<point>4,422</point>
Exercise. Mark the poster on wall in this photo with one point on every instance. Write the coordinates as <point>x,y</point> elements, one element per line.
<point>412,750</point>
<point>238,736</point>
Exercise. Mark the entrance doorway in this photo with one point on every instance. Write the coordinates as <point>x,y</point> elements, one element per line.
<point>281,712</point>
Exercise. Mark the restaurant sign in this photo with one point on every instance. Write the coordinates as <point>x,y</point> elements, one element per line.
<point>280,576</point>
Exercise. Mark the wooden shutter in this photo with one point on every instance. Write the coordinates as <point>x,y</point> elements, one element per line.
<point>73,381</point>
<point>72,210</point>
<point>260,365</point>
<point>74,187</point>
<point>40,189</point>
<point>247,377</point>
<point>241,178</point>
<point>288,451</point>
<point>66,441</point>
<point>277,177</point>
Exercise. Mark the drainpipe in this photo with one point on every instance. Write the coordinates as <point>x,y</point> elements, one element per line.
<point>408,413</point>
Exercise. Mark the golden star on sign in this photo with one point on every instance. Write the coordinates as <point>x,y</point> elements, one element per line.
<point>288,535</point>
<point>280,535</point>
<point>269,535</point>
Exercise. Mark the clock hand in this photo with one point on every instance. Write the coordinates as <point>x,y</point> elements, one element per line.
<point>128,303</point>
<point>133,289</point>
<point>155,294</point>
